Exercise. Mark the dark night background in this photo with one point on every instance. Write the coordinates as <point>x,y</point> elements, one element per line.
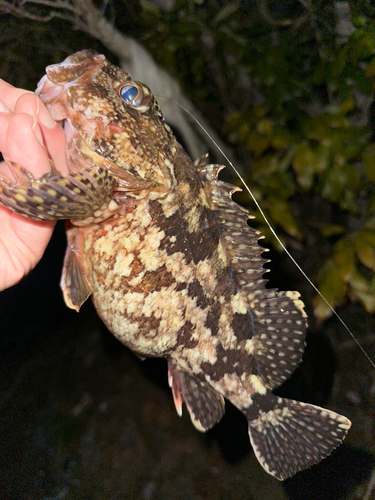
<point>81,417</point>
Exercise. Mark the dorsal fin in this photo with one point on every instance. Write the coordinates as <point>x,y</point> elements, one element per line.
<point>278,319</point>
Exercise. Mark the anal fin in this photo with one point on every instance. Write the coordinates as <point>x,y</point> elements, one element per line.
<point>206,406</point>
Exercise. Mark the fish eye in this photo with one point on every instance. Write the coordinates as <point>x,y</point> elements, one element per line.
<point>131,94</point>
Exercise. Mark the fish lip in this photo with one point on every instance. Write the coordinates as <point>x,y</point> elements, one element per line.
<point>69,130</point>
<point>77,160</point>
<point>53,87</point>
<point>54,98</point>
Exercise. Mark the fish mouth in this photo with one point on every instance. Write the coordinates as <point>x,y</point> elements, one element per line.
<point>69,130</point>
<point>79,127</point>
<point>79,156</point>
<point>54,97</point>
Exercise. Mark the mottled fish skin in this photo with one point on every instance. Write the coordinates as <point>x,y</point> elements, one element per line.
<point>171,264</point>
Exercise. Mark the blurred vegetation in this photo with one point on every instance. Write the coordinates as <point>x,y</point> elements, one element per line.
<point>290,85</point>
<point>292,88</point>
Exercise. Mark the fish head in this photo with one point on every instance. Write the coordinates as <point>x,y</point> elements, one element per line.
<point>110,121</point>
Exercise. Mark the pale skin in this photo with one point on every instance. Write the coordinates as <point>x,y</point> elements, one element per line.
<point>30,137</point>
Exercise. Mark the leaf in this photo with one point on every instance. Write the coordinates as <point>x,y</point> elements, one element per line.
<point>363,291</point>
<point>332,230</point>
<point>302,164</point>
<point>225,12</point>
<point>321,309</point>
<point>265,126</point>
<point>331,189</point>
<point>341,183</point>
<point>281,213</point>
<point>364,249</point>
<point>281,185</point>
<point>339,62</point>
<point>281,138</point>
<point>257,143</point>
<point>150,6</point>
<point>318,130</point>
<point>348,201</point>
<point>264,167</point>
<point>361,82</point>
<point>368,235</point>
<point>368,158</point>
<point>306,179</point>
<point>321,158</point>
<point>344,257</point>
<point>332,287</point>
<point>302,157</point>
<point>370,68</point>
<point>363,45</point>
<point>232,37</point>
<point>347,105</point>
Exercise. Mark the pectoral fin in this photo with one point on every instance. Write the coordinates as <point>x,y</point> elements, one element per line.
<point>74,283</point>
<point>54,197</point>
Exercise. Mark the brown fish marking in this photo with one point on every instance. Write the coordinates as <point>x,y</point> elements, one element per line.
<point>171,264</point>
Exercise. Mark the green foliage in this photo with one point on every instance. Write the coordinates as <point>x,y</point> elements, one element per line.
<point>287,91</point>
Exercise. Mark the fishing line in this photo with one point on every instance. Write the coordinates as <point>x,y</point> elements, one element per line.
<point>273,231</point>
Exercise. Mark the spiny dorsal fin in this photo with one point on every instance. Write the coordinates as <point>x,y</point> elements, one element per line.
<point>278,318</point>
<point>206,406</point>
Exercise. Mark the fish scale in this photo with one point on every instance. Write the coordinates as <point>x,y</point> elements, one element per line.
<point>171,263</point>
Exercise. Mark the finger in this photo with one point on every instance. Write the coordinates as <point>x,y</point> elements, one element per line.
<point>22,244</point>
<point>54,140</point>
<point>10,95</point>
<point>53,134</point>
<point>32,105</point>
<point>24,145</point>
<point>3,108</point>
<point>5,117</point>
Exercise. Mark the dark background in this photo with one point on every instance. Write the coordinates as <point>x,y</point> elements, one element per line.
<point>83,418</point>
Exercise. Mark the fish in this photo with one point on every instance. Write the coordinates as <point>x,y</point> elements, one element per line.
<point>171,263</point>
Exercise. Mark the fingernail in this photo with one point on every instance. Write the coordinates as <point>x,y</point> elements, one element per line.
<point>3,108</point>
<point>37,132</point>
<point>44,117</point>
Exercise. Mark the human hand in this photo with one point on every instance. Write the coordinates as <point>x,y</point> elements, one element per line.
<point>30,137</point>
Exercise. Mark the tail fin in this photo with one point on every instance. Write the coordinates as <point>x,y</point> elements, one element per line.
<point>294,436</point>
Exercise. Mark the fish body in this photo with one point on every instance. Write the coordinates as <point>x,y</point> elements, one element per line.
<point>171,264</point>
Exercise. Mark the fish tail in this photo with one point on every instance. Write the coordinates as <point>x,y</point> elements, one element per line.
<point>292,436</point>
